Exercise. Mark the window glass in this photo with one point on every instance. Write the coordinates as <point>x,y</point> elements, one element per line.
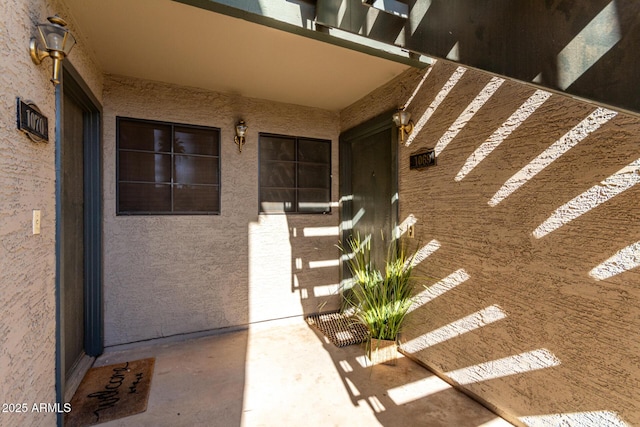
<point>147,167</point>
<point>277,148</point>
<point>314,176</point>
<point>295,175</point>
<point>278,174</point>
<point>278,201</point>
<point>195,141</point>
<point>145,136</point>
<point>313,151</point>
<point>195,198</point>
<point>165,168</point>
<point>144,197</point>
<point>313,201</point>
<point>195,170</point>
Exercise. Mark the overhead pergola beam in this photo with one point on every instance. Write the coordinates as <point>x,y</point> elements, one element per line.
<point>586,49</point>
<point>299,17</point>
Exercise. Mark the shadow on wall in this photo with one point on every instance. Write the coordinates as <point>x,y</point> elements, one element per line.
<point>293,266</point>
<point>584,48</point>
<point>315,262</point>
<point>532,222</point>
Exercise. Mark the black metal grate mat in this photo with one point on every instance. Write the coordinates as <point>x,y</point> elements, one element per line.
<point>339,328</point>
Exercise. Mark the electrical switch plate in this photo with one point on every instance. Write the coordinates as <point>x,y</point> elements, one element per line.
<point>36,222</point>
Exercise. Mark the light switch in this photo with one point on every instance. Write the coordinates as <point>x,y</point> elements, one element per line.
<point>411,231</point>
<point>36,222</point>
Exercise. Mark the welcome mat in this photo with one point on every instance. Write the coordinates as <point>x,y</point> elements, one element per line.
<point>110,392</point>
<point>339,328</point>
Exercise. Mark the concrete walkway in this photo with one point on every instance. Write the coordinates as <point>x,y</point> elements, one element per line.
<point>285,375</point>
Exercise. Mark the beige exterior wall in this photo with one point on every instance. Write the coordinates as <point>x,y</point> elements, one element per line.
<point>167,275</point>
<point>529,228</point>
<point>27,182</point>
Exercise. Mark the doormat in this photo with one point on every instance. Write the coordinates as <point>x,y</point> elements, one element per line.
<point>110,392</point>
<point>339,328</point>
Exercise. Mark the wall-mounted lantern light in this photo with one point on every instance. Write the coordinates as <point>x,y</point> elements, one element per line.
<point>241,129</point>
<point>402,120</point>
<point>54,40</point>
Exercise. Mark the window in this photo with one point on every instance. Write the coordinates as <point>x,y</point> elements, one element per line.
<point>167,168</point>
<point>295,174</point>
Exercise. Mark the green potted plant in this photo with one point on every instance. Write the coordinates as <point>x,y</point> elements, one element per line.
<point>379,300</point>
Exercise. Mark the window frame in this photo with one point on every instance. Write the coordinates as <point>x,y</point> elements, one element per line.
<point>172,184</point>
<point>297,163</point>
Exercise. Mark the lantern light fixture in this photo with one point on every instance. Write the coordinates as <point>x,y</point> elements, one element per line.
<point>241,130</point>
<point>54,40</point>
<point>402,120</point>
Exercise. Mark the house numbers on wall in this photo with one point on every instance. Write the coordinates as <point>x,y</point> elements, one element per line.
<point>32,122</point>
<point>423,159</point>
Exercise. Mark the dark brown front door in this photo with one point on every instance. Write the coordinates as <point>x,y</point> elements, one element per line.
<point>72,233</point>
<point>372,193</point>
<point>368,180</point>
<point>79,328</point>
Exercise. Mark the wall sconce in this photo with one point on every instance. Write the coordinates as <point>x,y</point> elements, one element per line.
<point>241,129</point>
<point>57,42</point>
<point>402,120</point>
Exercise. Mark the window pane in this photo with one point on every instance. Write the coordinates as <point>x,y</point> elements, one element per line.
<point>277,201</point>
<point>135,166</point>
<point>314,151</point>
<point>196,170</point>
<point>278,174</point>
<point>196,141</point>
<point>144,197</point>
<point>314,201</point>
<point>144,136</point>
<point>295,174</point>
<point>195,198</point>
<point>153,156</point>
<point>277,148</point>
<point>313,176</point>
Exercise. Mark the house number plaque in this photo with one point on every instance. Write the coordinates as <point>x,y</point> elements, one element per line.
<point>422,160</point>
<point>32,122</point>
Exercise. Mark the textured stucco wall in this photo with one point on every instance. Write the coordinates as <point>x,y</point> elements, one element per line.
<point>529,228</point>
<point>27,182</point>
<point>167,275</point>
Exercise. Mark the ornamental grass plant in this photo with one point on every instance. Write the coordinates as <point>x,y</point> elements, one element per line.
<point>379,300</point>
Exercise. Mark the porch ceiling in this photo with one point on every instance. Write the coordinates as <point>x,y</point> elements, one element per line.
<point>171,42</point>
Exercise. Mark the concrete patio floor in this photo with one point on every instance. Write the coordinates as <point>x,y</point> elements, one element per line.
<point>288,374</point>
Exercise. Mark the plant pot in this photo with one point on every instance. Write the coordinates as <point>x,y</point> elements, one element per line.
<point>382,351</point>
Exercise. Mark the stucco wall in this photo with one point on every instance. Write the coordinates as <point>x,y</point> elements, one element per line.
<point>167,275</point>
<point>529,228</point>
<point>27,182</point>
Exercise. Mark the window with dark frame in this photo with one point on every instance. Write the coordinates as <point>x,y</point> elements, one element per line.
<point>295,174</point>
<point>167,168</point>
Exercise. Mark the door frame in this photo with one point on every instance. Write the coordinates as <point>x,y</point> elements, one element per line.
<point>73,85</point>
<point>377,124</point>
